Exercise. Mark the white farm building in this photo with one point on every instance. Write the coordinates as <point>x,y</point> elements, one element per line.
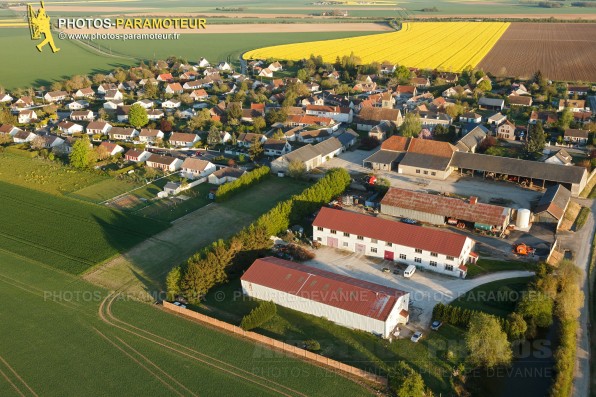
<point>344,300</point>
<point>433,249</point>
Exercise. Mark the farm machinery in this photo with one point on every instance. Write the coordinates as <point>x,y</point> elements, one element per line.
<point>523,249</point>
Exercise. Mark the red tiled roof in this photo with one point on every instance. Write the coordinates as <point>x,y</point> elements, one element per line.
<point>395,143</point>
<point>433,148</point>
<point>424,238</point>
<point>446,206</point>
<point>342,292</point>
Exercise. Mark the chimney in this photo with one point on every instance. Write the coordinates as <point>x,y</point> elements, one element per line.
<point>473,200</point>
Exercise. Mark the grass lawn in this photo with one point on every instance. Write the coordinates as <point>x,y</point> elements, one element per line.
<point>170,209</point>
<point>67,234</point>
<point>582,217</point>
<point>485,266</point>
<point>356,348</point>
<point>498,298</point>
<point>103,190</point>
<point>54,323</point>
<point>44,175</point>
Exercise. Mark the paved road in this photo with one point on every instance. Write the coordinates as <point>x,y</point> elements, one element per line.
<point>426,288</point>
<point>582,241</point>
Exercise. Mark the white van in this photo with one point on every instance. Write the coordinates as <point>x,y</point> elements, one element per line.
<point>410,270</point>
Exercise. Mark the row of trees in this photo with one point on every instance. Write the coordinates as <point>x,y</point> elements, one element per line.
<point>258,316</point>
<point>227,190</point>
<point>211,266</point>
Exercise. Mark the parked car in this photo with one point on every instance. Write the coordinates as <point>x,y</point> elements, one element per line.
<point>416,337</point>
<point>436,325</point>
<point>177,303</point>
<point>409,221</point>
<point>386,270</point>
<point>409,272</point>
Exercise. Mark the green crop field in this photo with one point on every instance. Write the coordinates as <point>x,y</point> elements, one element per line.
<point>63,344</point>
<point>103,190</point>
<point>64,233</point>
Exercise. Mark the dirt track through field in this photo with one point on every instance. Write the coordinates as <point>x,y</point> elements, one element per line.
<point>106,315</point>
<point>255,28</point>
<point>560,51</point>
<point>17,376</point>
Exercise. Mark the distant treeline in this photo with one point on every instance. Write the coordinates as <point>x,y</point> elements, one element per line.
<point>430,9</point>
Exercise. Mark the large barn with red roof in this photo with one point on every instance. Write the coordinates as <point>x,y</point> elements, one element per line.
<point>433,249</point>
<point>346,301</point>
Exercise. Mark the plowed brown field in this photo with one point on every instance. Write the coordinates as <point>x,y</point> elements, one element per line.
<point>561,51</point>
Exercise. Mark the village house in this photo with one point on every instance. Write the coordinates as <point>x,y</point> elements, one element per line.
<point>506,131</point>
<point>193,168</point>
<point>111,149</point>
<point>518,100</point>
<point>23,137</point>
<point>428,248</point>
<point>145,103</point>
<point>164,163</point>
<point>470,117</point>
<point>27,116</point>
<point>561,157</point>
<point>307,155</point>
<point>122,133</point>
<point>105,87</point>
<point>51,141</point>
<point>381,131</point>
<point>247,139</point>
<point>4,97</point>
<point>113,95</point>
<point>298,120</point>
<point>137,156</point>
<point>147,135</point>
<point>575,105</point>
<point>165,77</point>
<point>578,90</point>
<point>85,93</point>
<point>471,141</point>
<point>182,139</point>
<point>8,129</point>
<point>171,104</point>
<point>199,95</point>
<point>23,103</point>
<point>370,117</point>
<point>82,115</point>
<point>496,119</point>
<point>122,113</point>
<point>55,96</point>
<point>575,136</point>
<point>336,113</point>
<point>78,105</point>
<point>98,127</point>
<point>276,147</point>
<point>224,175</point>
<point>155,114</point>
<point>174,88</point>
<point>406,91</point>
<point>68,127</point>
<point>313,136</point>
<point>112,105</point>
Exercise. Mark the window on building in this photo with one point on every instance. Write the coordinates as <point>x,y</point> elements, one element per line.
<point>450,258</point>
<point>319,228</point>
<point>417,260</point>
<point>319,239</point>
<point>434,254</point>
<point>333,231</point>
<point>433,173</point>
<point>346,234</point>
<point>425,172</point>
<point>418,171</point>
<point>345,244</point>
<point>373,250</point>
<point>402,256</point>
<point>360,238</point>
<point>374,240</point>
<point>449,268</point>
<point>418,251</point>
<point>389,244</point>
<point>433,263</point>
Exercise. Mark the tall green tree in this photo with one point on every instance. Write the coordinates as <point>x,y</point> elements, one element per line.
<point>487,343</point>
<point>404,381</point>
<point>82,155</point>
<point>256,149</point>
<point>537,309</point>
<point>173,282</point>
<point>536,140</point>
<point>137,116</point>
<point>565,119</point>
<point>213,137</point>
<point>411,126</point>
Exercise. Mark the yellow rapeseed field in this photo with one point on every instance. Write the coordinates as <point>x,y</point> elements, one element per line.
<point>447,46</point>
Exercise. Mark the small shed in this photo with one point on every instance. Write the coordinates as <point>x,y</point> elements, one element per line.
<point>172,188</point>
<point>552,206</point>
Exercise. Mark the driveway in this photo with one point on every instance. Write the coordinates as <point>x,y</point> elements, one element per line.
<point>464,186</point>
<point>426,288</point>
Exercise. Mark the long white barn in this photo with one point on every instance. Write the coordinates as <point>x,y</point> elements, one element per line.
<point>344,300</point>
<point>430,248</point>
